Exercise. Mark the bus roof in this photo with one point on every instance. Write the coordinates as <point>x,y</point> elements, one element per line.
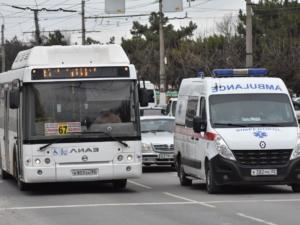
<point>70,56</point>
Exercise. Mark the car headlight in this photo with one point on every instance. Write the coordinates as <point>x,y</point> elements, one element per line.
<point>223,149</point>
<point>296,152</point>
<point>146,148</point>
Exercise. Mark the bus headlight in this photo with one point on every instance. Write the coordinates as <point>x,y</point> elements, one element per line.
<point>146,148</point>
<point>37,161</point>
<point>223,149</point>
<point>296,152</point>
<point>129,158</point>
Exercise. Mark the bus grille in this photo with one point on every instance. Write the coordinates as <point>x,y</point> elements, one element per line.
<point>163,148</point>
<point>262,157</point>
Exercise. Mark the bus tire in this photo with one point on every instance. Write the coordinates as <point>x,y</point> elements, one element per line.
<point>22,185</point>
<point>119,184</point>
<point>4,174</point>
<point>296,188</point>
<point>211,186</point>
<point>184,181</point>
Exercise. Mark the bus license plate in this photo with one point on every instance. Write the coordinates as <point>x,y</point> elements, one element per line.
<point>263,172</point>
<point>166,156</point>
<point>84,172</point>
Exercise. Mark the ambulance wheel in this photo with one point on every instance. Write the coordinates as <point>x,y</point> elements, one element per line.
<point>120,184</point>
<point>184,181</point>
<point>296,188</point>
<point>211,186</point>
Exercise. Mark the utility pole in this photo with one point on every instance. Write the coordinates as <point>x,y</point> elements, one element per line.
<point>38,39</point>
<point>249,48</point>
<point>83,22</point>
<point>162,70</point>
<point>2,44</point>
<point>2,48</point>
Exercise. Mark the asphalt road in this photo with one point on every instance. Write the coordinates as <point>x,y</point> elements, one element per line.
<point>154,199</point>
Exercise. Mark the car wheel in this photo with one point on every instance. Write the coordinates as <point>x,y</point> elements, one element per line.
<point>296,188</point>
<point>184,181</point>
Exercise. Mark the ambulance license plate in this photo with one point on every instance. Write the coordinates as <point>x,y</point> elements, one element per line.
<point>84,172</point>
<point>263,172</point>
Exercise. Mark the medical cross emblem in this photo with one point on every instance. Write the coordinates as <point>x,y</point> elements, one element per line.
<point>260,134</point>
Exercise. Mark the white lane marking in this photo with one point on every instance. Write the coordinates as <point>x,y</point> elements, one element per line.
<point>189,200</point>
<point>253,201</point>
<point>140,185</point>
<point>95,205</point>
<point>256,219</point>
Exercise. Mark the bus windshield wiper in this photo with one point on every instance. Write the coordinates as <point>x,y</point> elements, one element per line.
<point>53,142</point>
<point>79,133</point>
<point>230,124</point>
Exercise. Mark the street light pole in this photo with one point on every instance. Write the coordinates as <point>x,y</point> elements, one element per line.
<point>2,44</point>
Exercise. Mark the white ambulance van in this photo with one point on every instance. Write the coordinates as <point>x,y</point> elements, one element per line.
<point>236,128</point>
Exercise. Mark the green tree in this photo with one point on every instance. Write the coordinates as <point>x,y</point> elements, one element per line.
<point>55,38</point>
<point>276,38</point>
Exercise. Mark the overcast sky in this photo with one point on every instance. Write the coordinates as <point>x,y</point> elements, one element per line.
<point>206,13</point>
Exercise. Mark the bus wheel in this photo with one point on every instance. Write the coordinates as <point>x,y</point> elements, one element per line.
<point>211,186</point>
<point>296,188</point>
<point>120,184</point>
<point>184,181</point>
<point>22,185</point>
<point>4,175</point>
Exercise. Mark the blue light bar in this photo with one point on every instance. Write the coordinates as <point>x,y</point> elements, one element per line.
<point>251,72</point>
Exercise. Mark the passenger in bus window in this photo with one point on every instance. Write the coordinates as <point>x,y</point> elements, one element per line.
<point>108,117</point>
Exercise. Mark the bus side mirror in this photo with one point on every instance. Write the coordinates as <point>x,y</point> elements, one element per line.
<point>199,125</point>
<point>143,97</point>
<point>14,98</point>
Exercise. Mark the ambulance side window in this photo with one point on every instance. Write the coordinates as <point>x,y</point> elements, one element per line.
<point>191,111</point>
<point>202,108</point>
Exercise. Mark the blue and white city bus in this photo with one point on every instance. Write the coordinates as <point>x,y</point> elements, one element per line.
<point>70,113</point>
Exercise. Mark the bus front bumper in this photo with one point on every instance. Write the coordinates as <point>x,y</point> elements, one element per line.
<point>81,172</point>
<point>228,172</point>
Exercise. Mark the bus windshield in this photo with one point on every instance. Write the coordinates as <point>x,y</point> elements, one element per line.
<point>61,109</point>
<point>242,110</point>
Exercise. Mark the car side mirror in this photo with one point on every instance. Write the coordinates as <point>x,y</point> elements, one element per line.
<point>199,125</point>
<point>14,98</point>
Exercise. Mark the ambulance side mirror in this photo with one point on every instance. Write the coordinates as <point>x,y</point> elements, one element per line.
<point>199,125</point>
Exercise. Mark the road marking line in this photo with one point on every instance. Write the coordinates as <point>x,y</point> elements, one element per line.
<point>253,201</point>
<point>189,200</point>
<point>140,185</point>
<point>256,219</point>
<point>96,205</point>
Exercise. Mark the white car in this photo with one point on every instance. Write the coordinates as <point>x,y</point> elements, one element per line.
<point>157,140</point>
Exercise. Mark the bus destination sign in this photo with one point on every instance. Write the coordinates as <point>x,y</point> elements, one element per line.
<point>80,72</point>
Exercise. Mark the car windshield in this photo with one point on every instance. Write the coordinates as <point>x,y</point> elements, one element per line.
<point>236,110</point>
<point>157,125</point>
<point>61,109</point>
